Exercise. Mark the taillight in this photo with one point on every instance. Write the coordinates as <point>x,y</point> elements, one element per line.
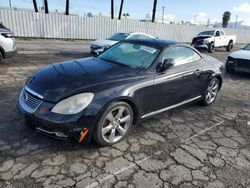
<point>8,35</point>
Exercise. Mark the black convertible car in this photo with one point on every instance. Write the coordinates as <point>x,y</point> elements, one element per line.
<point>102,97</point>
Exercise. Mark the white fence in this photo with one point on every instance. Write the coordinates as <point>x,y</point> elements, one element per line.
<point>31,24</point>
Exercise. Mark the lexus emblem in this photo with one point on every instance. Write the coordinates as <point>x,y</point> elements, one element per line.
<point>25,97</point>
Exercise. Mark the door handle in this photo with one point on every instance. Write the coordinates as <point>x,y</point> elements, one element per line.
<point>197,72</point>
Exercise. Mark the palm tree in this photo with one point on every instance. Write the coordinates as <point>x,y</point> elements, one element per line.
<point>120,12</point>
<point>67,7</point>
<point>35,5</point>
<point>154,10</point>
<point>46,6</point>
<point>112,9</point>
<point>226,18</point>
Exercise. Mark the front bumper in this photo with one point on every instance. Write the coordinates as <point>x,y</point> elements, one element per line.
<point>10,54</point>
<point>203,46</point>
<point>236,65</point>
<point>63,127</point>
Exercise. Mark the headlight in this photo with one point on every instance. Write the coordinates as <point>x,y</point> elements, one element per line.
<point>230,59</point>
<point>73,104</point>
<point>206,41</point>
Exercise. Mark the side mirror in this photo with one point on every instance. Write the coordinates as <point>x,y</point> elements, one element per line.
<point>166,64</point>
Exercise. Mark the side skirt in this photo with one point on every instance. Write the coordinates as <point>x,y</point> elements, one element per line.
<point>171,107</point>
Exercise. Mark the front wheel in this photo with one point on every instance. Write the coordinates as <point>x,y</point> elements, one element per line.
<point>230,46</point>
<point>211,92</point>
<point>114,124</point>
<point>211,47</point>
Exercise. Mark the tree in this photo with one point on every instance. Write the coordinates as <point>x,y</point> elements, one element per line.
<point>67,7</point>
<point>46,6</point>
<point>35,5</point>
<point>112,9</point>
<point>120,12</point>
<point>154,10</point>
<point>226,18</point>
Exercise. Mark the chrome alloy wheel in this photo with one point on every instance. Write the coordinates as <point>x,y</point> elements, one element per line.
<point>116,124</point>
<point>212,91</point>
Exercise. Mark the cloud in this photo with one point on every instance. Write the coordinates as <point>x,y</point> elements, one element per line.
<point>169,17</point>
<point>200,18</point>
<point>244,7</point>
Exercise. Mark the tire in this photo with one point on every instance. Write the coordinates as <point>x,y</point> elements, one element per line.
<point>211,92</point>
<point>230,46</point>
<point>114,124</point>
<point>211,47</point>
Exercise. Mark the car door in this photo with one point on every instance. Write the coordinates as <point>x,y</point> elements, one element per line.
<point>223,38</point>
<point>176,84</point>
<point>217,39</point>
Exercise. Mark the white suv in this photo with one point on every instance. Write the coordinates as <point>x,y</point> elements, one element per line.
<point>7,43</point>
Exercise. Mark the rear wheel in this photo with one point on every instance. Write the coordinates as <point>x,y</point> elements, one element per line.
<point>114,124</point>
<point>230,46</point>
<point>211,92</point>
<point>211,47</point>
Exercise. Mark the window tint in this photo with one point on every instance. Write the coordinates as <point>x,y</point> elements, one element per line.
<point>217,33</point>
<point>129,54</point>
<point>118,36</point>
<point>181,55</point>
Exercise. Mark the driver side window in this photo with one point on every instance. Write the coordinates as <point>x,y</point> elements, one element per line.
<point>217,34</point>
<point>181,55</point>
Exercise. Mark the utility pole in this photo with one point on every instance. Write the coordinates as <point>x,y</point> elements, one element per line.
<point>163,8</point>
<point>10,3</point>
<point>236,21</point>
<point>154,10</point>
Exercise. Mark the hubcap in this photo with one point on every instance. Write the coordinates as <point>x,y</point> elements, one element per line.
<point>212,91</point>
<point>116,124</point>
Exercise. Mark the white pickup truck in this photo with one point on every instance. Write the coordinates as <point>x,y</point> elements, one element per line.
<point>214,39</point>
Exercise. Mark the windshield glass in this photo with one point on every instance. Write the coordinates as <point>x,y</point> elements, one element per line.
<point>118,36</point>
<point>210,33</point>
<point>129,54</point>
<point>247,47</point>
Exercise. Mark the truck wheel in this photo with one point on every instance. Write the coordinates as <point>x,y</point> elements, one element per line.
<point>230,46</point>
<point>211,47</point>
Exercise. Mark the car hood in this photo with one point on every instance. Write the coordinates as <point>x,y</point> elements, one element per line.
<point>104,42</point>
<point>61,80</point>
<point>241,54</point>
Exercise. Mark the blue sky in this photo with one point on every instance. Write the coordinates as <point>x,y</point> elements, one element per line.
<point>177,10</point>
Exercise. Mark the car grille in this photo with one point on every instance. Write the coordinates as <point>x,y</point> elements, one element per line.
<point>243,63</point>
<point>30,100</point>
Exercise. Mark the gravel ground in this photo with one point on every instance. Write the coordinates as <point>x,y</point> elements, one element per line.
<point>191,146</point>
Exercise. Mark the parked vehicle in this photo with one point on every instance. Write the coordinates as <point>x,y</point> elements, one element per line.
<point>210,40</point>
<point>99,46</point>
<point>239,60</point>
<point>103,96</point>
<point>7,43</point>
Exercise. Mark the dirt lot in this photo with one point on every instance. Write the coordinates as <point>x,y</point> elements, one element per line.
<point>192,146</point>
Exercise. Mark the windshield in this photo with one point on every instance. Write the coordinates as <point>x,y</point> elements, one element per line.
<point>118,36</point>
<point>210,33</point>
<point>247,47</point>
<point>131,55</point>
